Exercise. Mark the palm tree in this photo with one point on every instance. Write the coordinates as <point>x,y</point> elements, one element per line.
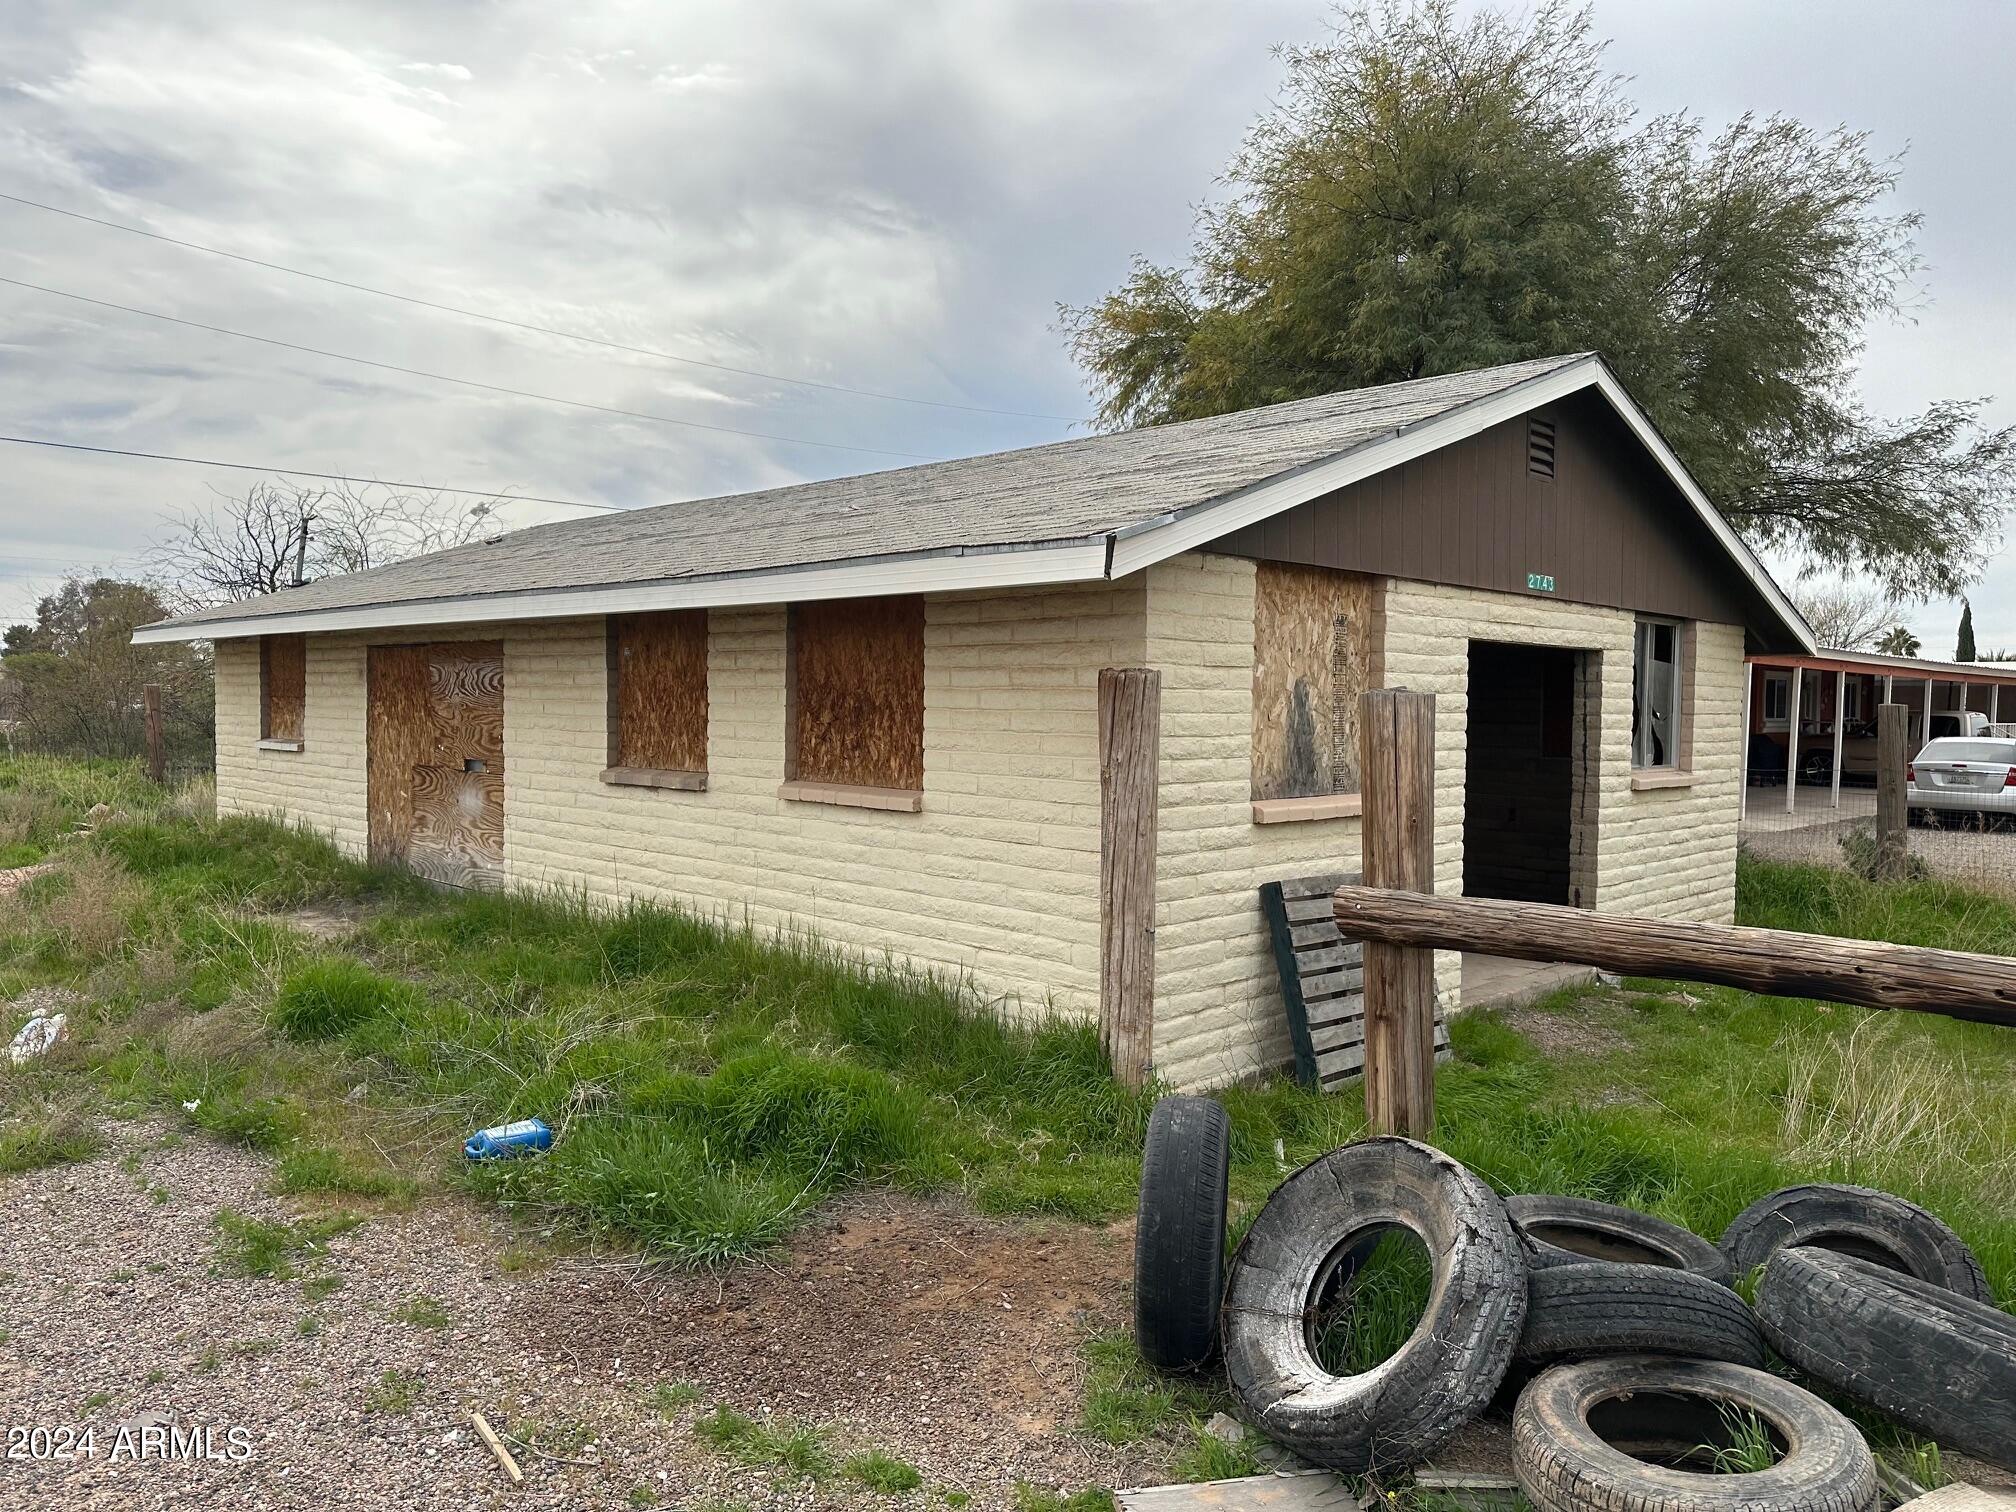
<point>1897,641</point>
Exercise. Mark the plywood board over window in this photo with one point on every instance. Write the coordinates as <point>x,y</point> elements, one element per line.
<point>658,697</point>
<point>857,693</point>
<point>1315,634</point>
<point>283,686</point>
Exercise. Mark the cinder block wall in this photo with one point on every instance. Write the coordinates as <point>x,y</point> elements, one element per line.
<point>1669,853</point>
<point>1217,999</point>
<point>997,880</point>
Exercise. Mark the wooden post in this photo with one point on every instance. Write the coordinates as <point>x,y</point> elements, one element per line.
<point>1396,733</point>
<point>1892,843</point>
<point>1840,728</point>
<point>1130,725</point>
<point>1776,962</point>
<point>157,759</point>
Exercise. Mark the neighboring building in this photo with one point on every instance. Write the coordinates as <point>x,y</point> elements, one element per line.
<point>1802,694</point>
<point>869,706</point>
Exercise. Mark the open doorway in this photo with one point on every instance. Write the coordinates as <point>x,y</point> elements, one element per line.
<point>1529,760</point>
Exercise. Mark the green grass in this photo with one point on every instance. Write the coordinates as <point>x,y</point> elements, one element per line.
<point>312,1168</point>
<point>46,1137</point>
<point>1030,1498</point>
<point>333,996</point>
<point>795,1450</point>
<point>423,1312</point>
<point>882,1473</point>
<point>1128,1401</point>
<point>1209,1458</point>
<point>1374,1306</point>
<point>668,1398</point>
<point>1745,1447</point>
<point>712,1085</point>
<point>395,1391</point>
<point>255,1247</point>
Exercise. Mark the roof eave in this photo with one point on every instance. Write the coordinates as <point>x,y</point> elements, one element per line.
<point>1037,563</point>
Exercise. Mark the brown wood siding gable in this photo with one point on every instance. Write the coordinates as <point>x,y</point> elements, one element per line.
<point>1608,527</point>
<point>857,692</point>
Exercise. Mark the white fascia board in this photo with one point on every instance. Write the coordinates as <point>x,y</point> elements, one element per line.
<point>1159,540</point>
<point>1080,561</point>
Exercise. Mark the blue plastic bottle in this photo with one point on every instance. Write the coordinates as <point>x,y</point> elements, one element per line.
<point>505,1140</point>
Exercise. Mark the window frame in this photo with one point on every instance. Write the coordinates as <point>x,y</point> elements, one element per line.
<point>272,738</point>
<point>901,619</point>
<point>1781,683</point>
<point>622,771</point>
<point>1643,640</point>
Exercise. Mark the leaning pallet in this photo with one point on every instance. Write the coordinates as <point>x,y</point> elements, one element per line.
<point>1322,981</point>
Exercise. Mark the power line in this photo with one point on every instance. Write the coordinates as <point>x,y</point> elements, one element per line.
<point>494,388</point>
<point>526,325</point>
<point>296,472</point>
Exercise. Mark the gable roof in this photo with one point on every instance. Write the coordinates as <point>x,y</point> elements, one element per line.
<point>1102,506</point>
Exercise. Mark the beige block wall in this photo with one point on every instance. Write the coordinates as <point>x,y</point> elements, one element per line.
<point>1669,853</point>
<point>996,880</point>
<point>1217,1000</point>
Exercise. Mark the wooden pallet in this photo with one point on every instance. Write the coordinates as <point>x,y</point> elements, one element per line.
<point>1322,981</point>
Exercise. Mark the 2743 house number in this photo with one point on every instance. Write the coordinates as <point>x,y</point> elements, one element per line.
<point>1540,582</point>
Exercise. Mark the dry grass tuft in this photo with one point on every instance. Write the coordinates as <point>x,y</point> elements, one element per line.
<point>92,914</point>
<point>232,1037</point>
<point>1880,1107</point>
<point>30,816</point>
<point>195,799</point>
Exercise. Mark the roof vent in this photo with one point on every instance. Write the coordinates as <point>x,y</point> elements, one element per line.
<point>1540,448</point>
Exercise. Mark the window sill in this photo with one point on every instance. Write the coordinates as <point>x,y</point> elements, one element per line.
<point>1301,810</point>
<point>655,777</point>
<point>1648,780</point>
<point>278,745</point>
<point>845,795</point>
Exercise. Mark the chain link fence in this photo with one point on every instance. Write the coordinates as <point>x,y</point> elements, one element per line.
<point>1806,821</point>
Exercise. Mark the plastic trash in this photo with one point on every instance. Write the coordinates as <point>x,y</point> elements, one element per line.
<point>37,1035</point>
<point>506,1140</point>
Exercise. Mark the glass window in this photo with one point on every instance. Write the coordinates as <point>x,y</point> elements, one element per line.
<point>1655,695</point>
<point>1777,700</point>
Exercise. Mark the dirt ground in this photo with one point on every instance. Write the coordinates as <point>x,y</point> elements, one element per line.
<point>945,1339</point>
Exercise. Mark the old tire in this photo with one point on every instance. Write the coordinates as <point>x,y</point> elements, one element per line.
<point>1397,1412</point>
<point>1571,1230</point>
<point>1179,1233</point>
<point>1943,1363</point>
<point>1577,1312</point>
<point>1857,1221</point>
<point>1574,1423</point>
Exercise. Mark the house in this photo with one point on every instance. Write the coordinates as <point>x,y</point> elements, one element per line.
<point>869,706</point>
<point>1816,714</point>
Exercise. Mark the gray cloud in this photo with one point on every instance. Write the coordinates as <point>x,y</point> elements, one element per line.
<point>886,195</point>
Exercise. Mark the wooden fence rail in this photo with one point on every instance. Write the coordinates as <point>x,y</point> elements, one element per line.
<point>1871,973</point>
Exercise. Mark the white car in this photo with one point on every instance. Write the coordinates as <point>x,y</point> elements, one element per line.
<point>1962,775</point>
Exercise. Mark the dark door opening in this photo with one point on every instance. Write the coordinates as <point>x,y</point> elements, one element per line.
<point>1524,774</point>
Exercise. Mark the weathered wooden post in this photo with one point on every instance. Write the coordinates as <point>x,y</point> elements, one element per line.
<point>1892,841</point>
<point>157,759</point>
<point>1130,726</point>
<point>1397,741</point>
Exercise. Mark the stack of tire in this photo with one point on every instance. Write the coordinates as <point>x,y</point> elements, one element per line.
<point>1622,1335</point>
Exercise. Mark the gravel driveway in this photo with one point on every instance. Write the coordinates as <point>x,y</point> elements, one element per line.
<point>941,1338</point>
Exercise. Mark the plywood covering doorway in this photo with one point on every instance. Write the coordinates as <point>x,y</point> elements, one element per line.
<point>435,760</point>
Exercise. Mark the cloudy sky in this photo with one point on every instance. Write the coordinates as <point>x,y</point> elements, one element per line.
<point>872,195</point>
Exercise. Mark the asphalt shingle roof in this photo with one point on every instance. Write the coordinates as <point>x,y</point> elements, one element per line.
<point>1064,491</point>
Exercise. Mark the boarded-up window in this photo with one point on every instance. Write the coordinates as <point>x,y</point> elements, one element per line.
<point>658,691</point>
<point>283,686</point>
<point>857,693</point>
<point>1314,636</point>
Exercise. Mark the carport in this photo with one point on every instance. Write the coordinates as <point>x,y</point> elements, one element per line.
<point>1805,712</point>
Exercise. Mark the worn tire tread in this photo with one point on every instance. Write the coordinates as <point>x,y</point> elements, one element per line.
<point>1942,1363</point>
<point>1179,1232</point>
<point>1601,1307</point>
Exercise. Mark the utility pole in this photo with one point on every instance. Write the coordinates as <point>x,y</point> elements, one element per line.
<point>301,551</point>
